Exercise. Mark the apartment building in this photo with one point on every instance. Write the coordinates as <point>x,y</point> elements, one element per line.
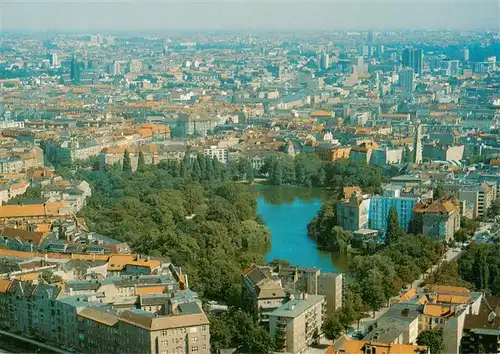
<point>420,309</point>
<point>128,314</point>
<point>482,330</point>
<point>481,195</point>
<point>346,345</point>
<point>220,154</point>
<point>443,153</point>
<point>312,281</point>
<point>332,153</point>
<point>387,156</point>
<point>296,325</point>
<point>102,330</point>
<point>262,292</point>
<point>22,161</point>
<point>438,219</point>
<point>380,207</point>
<point>353,213</point>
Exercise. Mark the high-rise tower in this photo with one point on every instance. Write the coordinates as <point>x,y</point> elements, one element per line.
<point>417,145</point>
<point>75,70</point>
<point>413,58</point>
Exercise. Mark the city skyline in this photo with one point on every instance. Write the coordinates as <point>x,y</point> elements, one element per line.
<point>91,16</point>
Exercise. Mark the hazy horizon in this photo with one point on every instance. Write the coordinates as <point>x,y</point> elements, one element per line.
<point>150,16</point>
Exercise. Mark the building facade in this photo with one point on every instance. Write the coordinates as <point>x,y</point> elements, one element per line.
<point>296,325</point>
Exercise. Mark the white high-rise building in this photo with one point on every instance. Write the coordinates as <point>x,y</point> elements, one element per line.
<point>466,54</point>
<point>359,66</point>
<point>325,61</point>
<point>116,67</point>
<point>54,59</point>
<point>417,145</point>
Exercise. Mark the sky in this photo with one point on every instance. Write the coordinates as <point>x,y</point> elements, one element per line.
<point>151,15</point>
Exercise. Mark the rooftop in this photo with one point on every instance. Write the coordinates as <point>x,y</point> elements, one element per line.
<point>294,308</point>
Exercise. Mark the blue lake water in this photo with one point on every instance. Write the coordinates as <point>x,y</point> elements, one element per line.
<point>287,218</point>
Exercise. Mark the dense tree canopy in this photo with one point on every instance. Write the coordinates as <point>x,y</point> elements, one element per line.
<point>480,266</point>
<point>308,170</point>
<point>237,329</point>
<point>381,276</point>
<point>211,229</point>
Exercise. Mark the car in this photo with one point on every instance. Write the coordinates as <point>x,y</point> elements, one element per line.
<point>71,350</point>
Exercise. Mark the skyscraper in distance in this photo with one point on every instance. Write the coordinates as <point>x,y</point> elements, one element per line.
<point>75,71</point>
<point>414,58</point>
<point>466,55</point>
<point>324,61</point>
<point>418,61</point>
<point>358,65</point>
<point>408,55</point>
<point>54,60</point>
<point>370,37</point>
<point>407,79</point>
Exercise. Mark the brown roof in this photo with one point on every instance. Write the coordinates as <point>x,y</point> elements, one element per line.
<point>32,210</point>
<point>152,323</point>
<point>11,211</point>
<point>321,114</point>
<point>118,262</point>
<point>410,294</point>
<point>446,289</point>
<point>348,191</point>
<point>438,310</point>
<point>108,319</point>
<point>450,299</point>
<point>150,289</point>
<point>35,238</point>
<point>350,346</point>
<point>4,285</point>
<point>435,207</point>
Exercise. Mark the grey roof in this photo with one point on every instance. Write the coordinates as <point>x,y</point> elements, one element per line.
<point>82,285</point>
<point>189,308</point>
<point>154,299</point>
<point>384,334</point>
<point>294,308</point>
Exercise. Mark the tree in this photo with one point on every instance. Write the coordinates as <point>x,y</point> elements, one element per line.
<point>332,327</point>
<point>494,209</point>
<point>50,278</point>
<point>127,165</point>
<point>336,239</point>
<point>277,173</point>
<point>480,265</point>
<point>439,192</point>
<point>433,339</point>
<point>141,163</point>
<point>394,230</point>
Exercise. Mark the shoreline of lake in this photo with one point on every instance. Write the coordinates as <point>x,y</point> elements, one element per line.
<point>286,211</point>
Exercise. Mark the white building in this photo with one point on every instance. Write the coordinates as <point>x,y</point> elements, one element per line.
<point>221,154</point>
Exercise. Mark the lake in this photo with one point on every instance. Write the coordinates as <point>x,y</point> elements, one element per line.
<point>286,211</point>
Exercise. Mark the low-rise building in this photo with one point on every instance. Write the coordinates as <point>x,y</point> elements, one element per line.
<point>263,292</point>
<point>353,213</point>
<point>481,332</point>
<point>437,219</point>
<point>345,345</point>
<point>332,153</point>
